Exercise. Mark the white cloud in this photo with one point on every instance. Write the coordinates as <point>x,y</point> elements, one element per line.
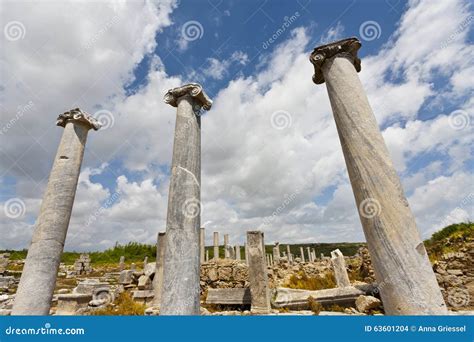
<point>251,164</point>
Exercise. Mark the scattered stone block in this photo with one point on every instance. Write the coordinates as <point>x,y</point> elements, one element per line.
<point>366,303</point>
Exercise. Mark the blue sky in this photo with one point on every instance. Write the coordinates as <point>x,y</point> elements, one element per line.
<point>252,59</point>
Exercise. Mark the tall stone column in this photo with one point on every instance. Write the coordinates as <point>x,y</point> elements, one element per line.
<point>159,266</point>
<point>202,244</point>
<point>276,252</point>
<point>309,254</point>
<point>288,254</point>
<point>180,295</point>
<point>340,271</point>
<point>226,246</point>
<point>302,254</point>
<point>258,278</point>
<point>216,245</point>
<point>38,278</point>
<point>237,253</point>
<point>401,265</point>
<point>207,255</point>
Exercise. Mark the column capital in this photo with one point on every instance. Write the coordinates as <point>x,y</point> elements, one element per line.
<point>193,89</point>
<point>346,47</point>
<point>79,116</point>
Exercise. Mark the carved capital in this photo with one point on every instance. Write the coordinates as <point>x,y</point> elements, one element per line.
<point>192,89</point>
<point>346,47</point>
<point>78,116</point>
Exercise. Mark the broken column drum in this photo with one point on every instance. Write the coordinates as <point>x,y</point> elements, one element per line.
<point>258,278</point>
<point>407,282</point>
<point>38,278</point>
<point>180,294</point>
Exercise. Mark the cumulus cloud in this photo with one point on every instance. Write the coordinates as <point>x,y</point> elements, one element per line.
<point>271,157</point>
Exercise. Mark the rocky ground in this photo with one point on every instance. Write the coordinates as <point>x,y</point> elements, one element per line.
<point>108,289</point>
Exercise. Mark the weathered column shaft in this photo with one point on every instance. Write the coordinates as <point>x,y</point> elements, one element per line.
<point>302,254</point>
<point>180,295</point>
<point>202,244</point>
<point>207,255</point>
<point>226,246</point>
<point>309,254</point>
<point>288,253</point>
<point>159,266</point>
<point>401,265</point>
<point>246,253</point>
<point>122,263</point>
<point>38,278</point>
<point>216,245</point>
<point>237,253</point>
<point>340,271</point>
<point>258,279</point>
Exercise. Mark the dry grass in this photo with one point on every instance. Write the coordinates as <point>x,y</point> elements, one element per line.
<point>124,306</point>
<point>314,305</point>
<point>303,282</point>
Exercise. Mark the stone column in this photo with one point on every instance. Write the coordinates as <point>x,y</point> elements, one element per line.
<point>237,252</point>
<point>145,262</point>
<point>340,271</point>
<point>271,259</point>
<point>122,263</point>
<point>288,253</point>
<point>207,255</point>
<point>216,245</point>
<point>202,244</point>
<point>398,255</point>
<point>276,252</point>
<point>38,278</point>
<point>180,295</point>
<point>226,246</point>
<point>302,254</point>
<point>308,250</point>
<point>313,254</point>
<point>160,257</point>
<point>258,279</point>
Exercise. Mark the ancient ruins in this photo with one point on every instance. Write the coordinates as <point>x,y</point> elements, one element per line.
<point>393,276</point>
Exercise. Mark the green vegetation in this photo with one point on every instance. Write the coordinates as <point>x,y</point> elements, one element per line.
<point>449,239</point>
